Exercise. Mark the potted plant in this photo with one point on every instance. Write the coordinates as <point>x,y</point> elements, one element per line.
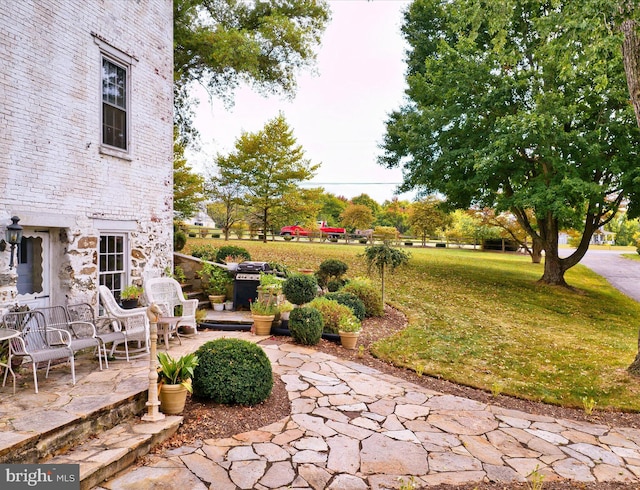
<point>349,329</point>
<point>130,296</point>
<point>285,309</point>
<point>174,378</point>
<point>214,282</point>
<point>263,312</point>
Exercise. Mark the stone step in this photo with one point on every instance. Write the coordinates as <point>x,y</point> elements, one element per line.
<point>116,449</point>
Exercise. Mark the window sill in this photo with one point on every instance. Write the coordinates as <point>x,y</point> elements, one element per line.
<point>114,152</point>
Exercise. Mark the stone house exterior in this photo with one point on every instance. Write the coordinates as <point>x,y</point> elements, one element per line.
<point>86,147</point>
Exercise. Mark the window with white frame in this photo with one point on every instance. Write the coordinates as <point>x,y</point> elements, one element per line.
<point>113,265</point>
<point>114,104</point>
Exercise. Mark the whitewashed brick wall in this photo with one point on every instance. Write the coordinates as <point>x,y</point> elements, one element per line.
<point>52,173</point>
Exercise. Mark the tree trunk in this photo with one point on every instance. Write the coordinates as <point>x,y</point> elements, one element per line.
<point>536,250</point>
<point>631,59</point>
<point>634,368</point>
<point>553,265</point>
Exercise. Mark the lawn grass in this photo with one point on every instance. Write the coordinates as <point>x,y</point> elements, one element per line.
<point>481,319</point>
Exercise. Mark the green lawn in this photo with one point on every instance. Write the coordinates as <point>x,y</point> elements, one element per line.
<point>482,320</point>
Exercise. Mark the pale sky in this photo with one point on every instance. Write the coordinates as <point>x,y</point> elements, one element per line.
<point>338,114</point>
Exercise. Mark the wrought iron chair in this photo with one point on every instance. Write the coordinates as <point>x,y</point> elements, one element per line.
<point>38,342</point>
<point>84,312</point>
<point>83,333</point>
<point>134,324</point>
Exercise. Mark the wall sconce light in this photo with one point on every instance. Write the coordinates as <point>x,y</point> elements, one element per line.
<point>13,236</point>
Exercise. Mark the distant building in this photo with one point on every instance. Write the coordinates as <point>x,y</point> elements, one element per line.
<point>86,146</point>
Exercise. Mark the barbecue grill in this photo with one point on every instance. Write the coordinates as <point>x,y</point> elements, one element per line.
<point>246,282</point>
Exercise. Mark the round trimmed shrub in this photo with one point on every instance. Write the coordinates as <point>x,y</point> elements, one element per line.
<point>300,288</point>
<point>231,250</point>
<point>331,269</point>
<point>233,372</point>
<point>350,300</point>
<point>331,312</point>
<point>305,325</point>
<point>369,295</point>
<point>335,285</point>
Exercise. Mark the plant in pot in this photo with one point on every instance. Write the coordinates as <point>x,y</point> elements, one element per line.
<point>130,296</point>
<point>174,378</point>
<point>214,282</point>
<point>349,329</point>
<point>263,312</point>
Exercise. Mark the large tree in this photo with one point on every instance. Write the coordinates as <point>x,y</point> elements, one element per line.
<point>222,43</point>
<point>496,118</point>
<point>267,165</point>
<point>188,186</point>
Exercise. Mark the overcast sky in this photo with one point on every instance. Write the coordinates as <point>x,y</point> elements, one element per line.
<point>338,114</point>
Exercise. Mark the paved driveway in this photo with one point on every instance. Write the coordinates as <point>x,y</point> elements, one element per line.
<point>623,274</point>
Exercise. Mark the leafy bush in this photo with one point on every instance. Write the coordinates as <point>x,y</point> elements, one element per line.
<point>331,269</point>
<point>226,250</point>
<point>300,288</point>
<point>204,252</point>
<point>350,300</point>
<point>306,325</point>
<point>215,279</point>
<point>367,293</point>
<point>335,285</point>
<point>233,372</point>
<point>331,312</point>
<point>179,240</point>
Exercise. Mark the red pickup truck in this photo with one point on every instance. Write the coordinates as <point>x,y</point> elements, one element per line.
<point>297,230</point>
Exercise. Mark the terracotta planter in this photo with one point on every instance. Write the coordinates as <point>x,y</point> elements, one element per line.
<point>217,298</point>
<point>172,399</point>
<point>262,324</point>
<point>349,339</point>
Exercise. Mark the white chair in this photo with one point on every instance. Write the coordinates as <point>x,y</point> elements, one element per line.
<point>134,324</point>
<point>167,294</point>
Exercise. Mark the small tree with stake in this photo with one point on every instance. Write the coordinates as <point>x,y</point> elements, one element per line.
<point>382,257</point>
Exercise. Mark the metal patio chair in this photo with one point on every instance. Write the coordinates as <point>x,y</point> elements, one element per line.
<point>134,324</point>
<point>83,333</point>
<point>84,312</point>
<point>38,342</point>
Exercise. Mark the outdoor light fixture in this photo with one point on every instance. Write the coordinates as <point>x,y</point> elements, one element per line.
<point>13,237</point>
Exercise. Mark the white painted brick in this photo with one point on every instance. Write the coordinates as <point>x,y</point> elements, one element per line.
<point>50,118</point>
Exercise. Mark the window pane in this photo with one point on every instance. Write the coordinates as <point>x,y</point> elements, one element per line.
<point>114,104</point>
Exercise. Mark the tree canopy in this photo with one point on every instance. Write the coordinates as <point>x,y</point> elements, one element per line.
<point>495,117</point>
<point>222,43</point>
<point>267,165</point>
<point>188,186</point>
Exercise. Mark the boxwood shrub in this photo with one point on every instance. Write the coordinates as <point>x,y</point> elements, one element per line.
<point>350,300</point>
<point>233,250</point>
<point>305,325</point>
<point>233,372</point>
<point>300,288</point>
<point>331,312</point>
<point>369,295</point>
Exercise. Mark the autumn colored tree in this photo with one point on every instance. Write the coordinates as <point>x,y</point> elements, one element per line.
<point>357,216</point>
<point>267,165</point>
<point>188,186</point>
<point>426,217</point>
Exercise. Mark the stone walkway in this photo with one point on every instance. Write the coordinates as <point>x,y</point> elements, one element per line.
<point>353,428</point>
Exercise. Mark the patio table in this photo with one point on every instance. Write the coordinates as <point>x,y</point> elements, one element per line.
<point>6,334</point>
<point>168,325</point>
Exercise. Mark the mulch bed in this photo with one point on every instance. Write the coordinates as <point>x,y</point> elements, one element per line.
<point>206,420</point>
